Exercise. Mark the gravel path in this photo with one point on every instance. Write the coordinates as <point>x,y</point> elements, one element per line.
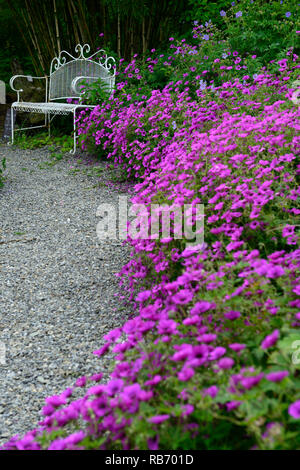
<point>57,283</point>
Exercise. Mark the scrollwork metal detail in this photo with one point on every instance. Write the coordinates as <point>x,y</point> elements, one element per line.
<point>82,50</point>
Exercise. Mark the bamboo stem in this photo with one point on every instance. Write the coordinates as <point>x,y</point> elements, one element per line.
<point>83,18</point>
<point>131,39</point>
<point>119,36</point>
<point>80,29</point>
<point>104,21</point>
<point>56,27</point>
<point>143,36</point>
<point>49,29</point>
<point>77,40</point>
<point>68,29</point>
<point>35,41</point>
<point>29,49</point>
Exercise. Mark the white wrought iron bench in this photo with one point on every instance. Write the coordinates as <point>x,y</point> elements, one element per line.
<point>65,82</point>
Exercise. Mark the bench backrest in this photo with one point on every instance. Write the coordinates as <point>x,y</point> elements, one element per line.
<point>65,69</point>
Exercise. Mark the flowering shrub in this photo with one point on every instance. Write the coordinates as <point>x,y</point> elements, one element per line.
<point>208,360</point>
<point>209,57</point>
<point>266,29</point>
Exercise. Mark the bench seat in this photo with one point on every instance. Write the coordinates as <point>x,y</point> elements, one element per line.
<point>48,108</point>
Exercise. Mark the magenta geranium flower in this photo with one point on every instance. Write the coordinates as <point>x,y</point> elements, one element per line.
<point>294,409</point>
<point>114,386</point>
<point>232,315</point>
<point>250,382</point>
<point>144,295</point>
<point>182,297</point>
<point>201,307</point>
<point>232,405</point>
<point>211,391</point>
<point>297,290</point>
<point>270,340</point>
<point>207,338</point>
<point>288,230</point>
<point>158,419</point>
<point>226,363</point>
<point>185,374</point>
<point>187,409</point>
<point>56,400</point>
<point>237,347</point>
<point>217,353</point>
<point>81,382</point>
<point>102,350</point>
<point>153,442</point>
<point>277,376</point>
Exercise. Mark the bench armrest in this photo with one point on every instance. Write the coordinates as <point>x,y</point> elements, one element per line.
<point>109,83</point>
<point>30,79</point>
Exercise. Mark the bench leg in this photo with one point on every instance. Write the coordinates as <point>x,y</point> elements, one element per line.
<point>13,113</point>
<point>12,126</point>
<point>74,133</point>
<point>48,123</point>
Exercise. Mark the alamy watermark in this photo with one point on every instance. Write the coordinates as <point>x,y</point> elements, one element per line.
<point>153,222</point>
<point>296,94</point>
<point>296,353</point>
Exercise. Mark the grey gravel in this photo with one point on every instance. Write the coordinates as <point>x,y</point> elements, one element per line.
<point>58,291</point>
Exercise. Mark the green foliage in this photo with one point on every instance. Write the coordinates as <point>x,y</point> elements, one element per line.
<point>263,28</point>
<point>266,29</point>
<point>257,34</point>
<point>2,169</point>
<point>95,93</point>
<point>58,145</point>
<point>25,141</point>
<point>205,10</point>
